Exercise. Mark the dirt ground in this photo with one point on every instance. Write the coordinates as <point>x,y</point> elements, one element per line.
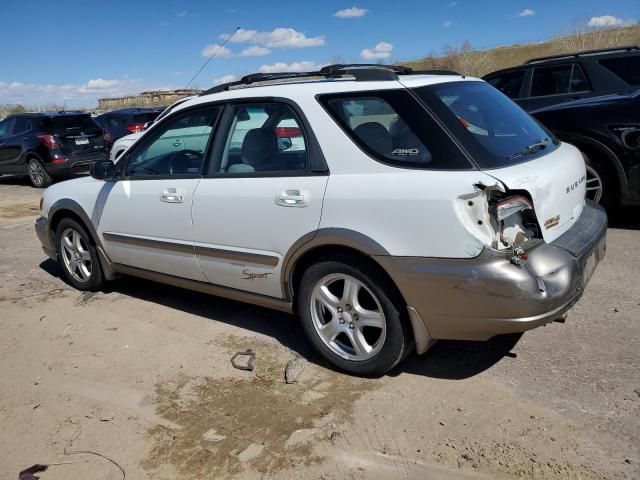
<point>140,377</point>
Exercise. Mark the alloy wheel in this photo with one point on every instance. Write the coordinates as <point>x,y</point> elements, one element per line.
<point>595,186</point>
<point>36,173</point>
<point>348,317</point>
<point>75,255</point>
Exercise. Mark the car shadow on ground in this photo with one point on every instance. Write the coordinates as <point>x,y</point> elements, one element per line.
<point>18,180</point>
<point>452,360</point>
<point>625,217</point>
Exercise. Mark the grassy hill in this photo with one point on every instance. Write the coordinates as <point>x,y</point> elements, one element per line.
<point>467,61</point>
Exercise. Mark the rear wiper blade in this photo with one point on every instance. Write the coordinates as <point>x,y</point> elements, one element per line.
<point>534,147</point>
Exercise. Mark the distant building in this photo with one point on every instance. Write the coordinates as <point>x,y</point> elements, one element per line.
<point>157,98</point>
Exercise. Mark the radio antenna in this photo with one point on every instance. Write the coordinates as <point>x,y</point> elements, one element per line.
<point>213,55</point>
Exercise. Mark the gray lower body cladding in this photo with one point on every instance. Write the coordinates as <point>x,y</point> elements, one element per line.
<point>476,299</point>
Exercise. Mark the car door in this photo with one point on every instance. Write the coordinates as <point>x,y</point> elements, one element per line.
<point>146,217</point>
<point>555,84</point>
<point>264,191</point>
<point>11,146</point>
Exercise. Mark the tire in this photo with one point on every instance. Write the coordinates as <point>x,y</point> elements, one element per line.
<point>372,318</point>
<point>38,176</point>
<point>600,174</point>
<point>77,256</point>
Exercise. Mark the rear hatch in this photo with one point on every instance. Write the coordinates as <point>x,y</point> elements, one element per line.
<point>514,149</point>
<point>77,134</point>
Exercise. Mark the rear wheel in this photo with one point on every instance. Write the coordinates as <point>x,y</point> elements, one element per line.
<point>37,174</point>
<point>78,256</point>
<point>351,317</point>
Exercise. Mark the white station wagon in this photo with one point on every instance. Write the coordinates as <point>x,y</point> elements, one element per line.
<point>387,208</point>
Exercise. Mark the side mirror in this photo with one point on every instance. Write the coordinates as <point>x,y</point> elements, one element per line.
<point>284,143</point>
<point>103,170</point>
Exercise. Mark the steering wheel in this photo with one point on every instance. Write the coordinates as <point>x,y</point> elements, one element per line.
<point>185,161</point>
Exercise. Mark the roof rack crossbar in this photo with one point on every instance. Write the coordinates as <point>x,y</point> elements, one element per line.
<point>627,48</point>
<point>360,72</point>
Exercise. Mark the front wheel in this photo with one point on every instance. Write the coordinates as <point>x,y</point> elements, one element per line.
<point>37,174</point>
<point>351,317</point>
<point>78,256</point>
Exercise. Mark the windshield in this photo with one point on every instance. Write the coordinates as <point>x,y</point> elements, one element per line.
<point>494,129</point>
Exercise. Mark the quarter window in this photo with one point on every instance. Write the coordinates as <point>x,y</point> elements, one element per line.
<point>263,137</point>
<point>176,148</point>
<point>393,127</point>
<point>626,68</point>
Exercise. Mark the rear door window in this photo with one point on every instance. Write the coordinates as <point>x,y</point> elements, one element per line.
<point>392,127</point>
<point>579,81</point>
<point>558,80</point>
<point>22,125</point>
<point>509,83</point>
<point>626,68</point>
<point>550,80</point>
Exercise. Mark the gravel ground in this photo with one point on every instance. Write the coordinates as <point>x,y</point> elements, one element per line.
<point>139,376</point>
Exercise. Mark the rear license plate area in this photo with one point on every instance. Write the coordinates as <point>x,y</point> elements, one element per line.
<point>82,141</point>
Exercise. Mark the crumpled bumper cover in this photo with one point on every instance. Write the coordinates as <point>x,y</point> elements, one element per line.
<point>478,298</point>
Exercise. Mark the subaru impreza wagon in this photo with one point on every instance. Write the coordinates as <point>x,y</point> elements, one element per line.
<point>387,208</point>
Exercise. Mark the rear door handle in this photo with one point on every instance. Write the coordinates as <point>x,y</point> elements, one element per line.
<point>172,195</point>
<point>293,198</point>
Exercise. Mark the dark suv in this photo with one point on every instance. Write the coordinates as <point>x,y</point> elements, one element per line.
<point>546,81</point>
<point>119,123</point>
<point>49,145</point>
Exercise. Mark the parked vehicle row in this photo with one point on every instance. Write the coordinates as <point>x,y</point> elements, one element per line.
<point>119,123</point>
<point>591,100</point>
<point>405,207</point>
<point>50,145</point>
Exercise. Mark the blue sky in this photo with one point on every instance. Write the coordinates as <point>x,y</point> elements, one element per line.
<point>73,52</point>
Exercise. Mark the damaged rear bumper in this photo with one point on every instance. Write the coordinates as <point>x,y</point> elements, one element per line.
<point>478,298</point>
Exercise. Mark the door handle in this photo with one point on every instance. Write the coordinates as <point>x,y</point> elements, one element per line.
<point>293,198</point>
<point>172,195</point>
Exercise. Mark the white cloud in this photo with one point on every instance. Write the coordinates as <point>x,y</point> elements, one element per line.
<point>209,50</point>
<point>278,38</point>
<point>304,66</point>
<point>224,79</point>
<point>75,94</point>
<point>353,12</point>
<point>447,24</point>
<point>255,51</point>
<point>605,21</point>
<point>182,14</point>
<point>527,12</point>
<point>380,51</point>
<point>101,84</point>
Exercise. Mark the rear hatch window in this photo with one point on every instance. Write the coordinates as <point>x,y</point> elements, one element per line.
<point>145,117</point>
<point>77,134</point>
<point>495,130</point>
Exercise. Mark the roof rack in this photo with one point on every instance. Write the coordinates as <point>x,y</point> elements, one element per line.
<point>360,72</point>
<point>628,48</point>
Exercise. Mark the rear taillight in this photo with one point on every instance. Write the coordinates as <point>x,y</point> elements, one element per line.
<point>135,127</point>
<point>288,132</point>
<point>49,141</point>
<point>59,159</point>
